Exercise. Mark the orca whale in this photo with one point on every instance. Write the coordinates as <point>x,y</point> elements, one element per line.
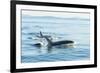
<point>50,43</point>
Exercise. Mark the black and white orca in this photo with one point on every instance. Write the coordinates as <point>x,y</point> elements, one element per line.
<point>50,43</point>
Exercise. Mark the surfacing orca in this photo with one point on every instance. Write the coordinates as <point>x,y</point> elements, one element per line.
<point>50,43</point>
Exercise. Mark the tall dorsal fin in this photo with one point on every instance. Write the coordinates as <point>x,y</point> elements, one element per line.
<point>41,35</point>
<point>48,40</point>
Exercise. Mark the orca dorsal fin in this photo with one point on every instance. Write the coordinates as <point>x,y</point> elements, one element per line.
<point>41,35</point>
<point>47,39</point>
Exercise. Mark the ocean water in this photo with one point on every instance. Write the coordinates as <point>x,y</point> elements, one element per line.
<point>76,29</point>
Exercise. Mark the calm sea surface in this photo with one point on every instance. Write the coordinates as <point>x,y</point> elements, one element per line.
<point>76,29</point>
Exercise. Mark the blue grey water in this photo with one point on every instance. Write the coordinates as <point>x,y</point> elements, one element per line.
<point>63,28</point>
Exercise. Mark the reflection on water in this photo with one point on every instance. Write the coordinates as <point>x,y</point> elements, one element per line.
<point>77,30</point>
